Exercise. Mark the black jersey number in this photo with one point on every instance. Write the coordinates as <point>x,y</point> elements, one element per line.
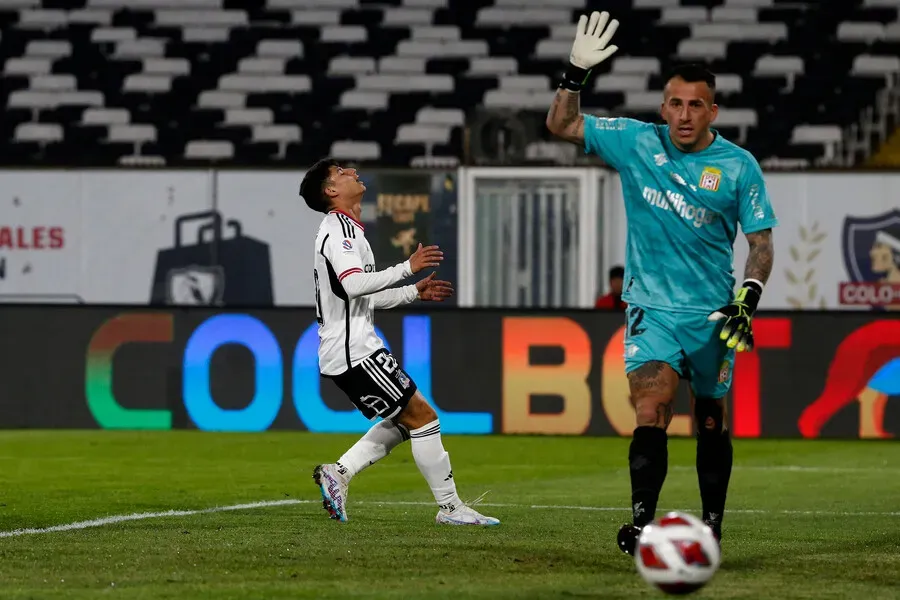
<point>319,317</point>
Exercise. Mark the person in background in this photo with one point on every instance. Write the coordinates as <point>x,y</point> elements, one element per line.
<point>613,300</point>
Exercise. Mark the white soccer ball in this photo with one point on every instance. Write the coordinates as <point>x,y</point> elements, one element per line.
<point>677,553</point>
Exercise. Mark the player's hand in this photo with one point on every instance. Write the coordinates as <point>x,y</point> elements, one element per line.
<point>591,39</point>
<point>434,290</point>
<point>423,258</point>
<point>737,332</point>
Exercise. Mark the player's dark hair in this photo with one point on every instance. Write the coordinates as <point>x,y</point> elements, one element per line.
<point>312,188</point>
<point>617,271</point>
<point>692,73</point>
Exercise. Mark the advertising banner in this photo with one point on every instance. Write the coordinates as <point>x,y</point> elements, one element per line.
<point>833,375</point>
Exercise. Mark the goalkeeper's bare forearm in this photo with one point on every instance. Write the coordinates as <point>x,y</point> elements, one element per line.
<point>592,36</point>
<point>565,119</point>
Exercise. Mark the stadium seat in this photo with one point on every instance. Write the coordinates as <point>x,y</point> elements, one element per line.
<point>395,83</point>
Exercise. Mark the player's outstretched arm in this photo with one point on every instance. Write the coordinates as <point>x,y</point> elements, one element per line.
<point>356,283</point>
<point>564,120</point>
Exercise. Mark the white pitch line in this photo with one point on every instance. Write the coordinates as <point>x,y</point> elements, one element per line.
<point>112,520</point>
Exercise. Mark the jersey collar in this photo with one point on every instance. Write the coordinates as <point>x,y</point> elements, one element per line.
<point>349,216</point>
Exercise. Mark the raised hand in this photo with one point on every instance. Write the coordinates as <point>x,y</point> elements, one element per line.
<point>423,258</point>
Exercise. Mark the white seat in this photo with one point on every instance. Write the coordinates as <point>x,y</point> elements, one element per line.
<point>640,65</point>
<point>525,83</point>
<point>220,17</point>
<point>679,15</point>
<point>41,100</point>
<point>416,83</point>
<point>518,99</point>
<point>269,65</point>
<point>493,65</point>
<point>352,65</point>
<point>132,133</point>
<point>48,48</point>
<point>279,48</point>
<point>643,101</point>
<point>780,66</point>
<point>617,82</point>
<point>507,16</point>
<point>316,17</point>
<point>241,82</point>
<point>689,49</point>
<point>728,83</point>
<point>393,65</point>
<point>249,116</point>
<point>829,136</point>
<point>277,133</point>
<point>757,32</point>
<point>892,31</point>
<point>39,132</point>
<point>140,48</point>
<point>656,3</point>
<point>316,4</point>
<point>425,3</point>
<point>51,83</point>
<point>167,66</point>
<point>364,100</point>
<point>154,4</point>
<point>447,49</point>
<point>205,149</point>
<point>27,66</point>
<point>417,133</point>
<point>42,19</point>
<point>868,32</point>
<point>199,33</point>
<point>105,116</point>
<point>112,34</point>
<point>550,48</point>
<point>740,118</point>
<point>140,82</point>
<point>734,14</point>
<point>867,65</point>
<point>343,33</point>
<point>750,3</point>
<point>352,150</point>
<point>220,99</point>
<point>91,16</point>
<point>441,116</point>
<point>436,32</point>
<point>408,16</point>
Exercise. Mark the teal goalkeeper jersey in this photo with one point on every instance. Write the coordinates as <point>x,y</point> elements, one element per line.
<point>683,211</point>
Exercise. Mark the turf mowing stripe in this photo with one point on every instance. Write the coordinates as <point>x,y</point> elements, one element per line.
<point>272,503</point>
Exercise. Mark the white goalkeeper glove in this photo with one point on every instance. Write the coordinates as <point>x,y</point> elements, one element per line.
<point>590,48</point>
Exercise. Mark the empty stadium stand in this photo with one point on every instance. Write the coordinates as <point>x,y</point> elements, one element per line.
<point>393,82</point>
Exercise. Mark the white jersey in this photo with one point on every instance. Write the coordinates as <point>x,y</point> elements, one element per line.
<point>348,290</point>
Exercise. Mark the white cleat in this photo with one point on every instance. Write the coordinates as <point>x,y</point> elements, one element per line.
<point>464,515</point>
<point>334,487</point>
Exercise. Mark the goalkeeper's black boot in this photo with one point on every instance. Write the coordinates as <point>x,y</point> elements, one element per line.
<point>627,538</point>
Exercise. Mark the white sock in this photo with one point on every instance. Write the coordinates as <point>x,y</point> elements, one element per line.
<point>377,443</point>
<point>434,463</point>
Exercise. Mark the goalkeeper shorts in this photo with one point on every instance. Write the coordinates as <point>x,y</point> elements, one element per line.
<point>686,341</point>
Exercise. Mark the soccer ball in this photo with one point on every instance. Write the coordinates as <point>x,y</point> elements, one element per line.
<point>677,553</point>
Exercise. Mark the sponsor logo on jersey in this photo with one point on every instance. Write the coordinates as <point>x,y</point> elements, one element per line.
<point>676,203</point>
<point>710,179</point>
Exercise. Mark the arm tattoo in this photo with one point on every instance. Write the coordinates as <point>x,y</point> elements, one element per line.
<point>565,118</point>
<point>762,254</point>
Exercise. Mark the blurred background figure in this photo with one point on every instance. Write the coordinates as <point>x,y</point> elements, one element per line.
<point>613,299</point>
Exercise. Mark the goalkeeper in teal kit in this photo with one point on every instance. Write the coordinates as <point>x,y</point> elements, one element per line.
<point>686,191</point>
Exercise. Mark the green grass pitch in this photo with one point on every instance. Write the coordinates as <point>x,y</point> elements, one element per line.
<point>808,519</point>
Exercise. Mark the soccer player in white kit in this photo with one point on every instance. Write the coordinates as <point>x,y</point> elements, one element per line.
<point>348,290</point>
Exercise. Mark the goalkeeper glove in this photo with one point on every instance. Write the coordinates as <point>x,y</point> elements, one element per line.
<point>589,49</point>
<point>737,330</point>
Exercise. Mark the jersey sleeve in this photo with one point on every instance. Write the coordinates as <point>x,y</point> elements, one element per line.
<point>343,254</point>
<point>612,139</point>
<point>395,297</point>
<point>755,211</point>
